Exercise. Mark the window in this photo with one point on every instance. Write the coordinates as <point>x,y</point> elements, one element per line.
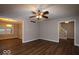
<point>5,29</point>
<point>2,31</point>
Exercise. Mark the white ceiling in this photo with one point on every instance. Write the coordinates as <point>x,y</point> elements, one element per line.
<point>24,11</point>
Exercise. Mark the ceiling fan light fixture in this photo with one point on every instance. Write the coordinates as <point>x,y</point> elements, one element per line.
<point>40,16</point>
<point>41,13</point>
<point>37,16</point>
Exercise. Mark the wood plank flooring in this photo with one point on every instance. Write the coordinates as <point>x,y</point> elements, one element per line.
<point>38,47</point>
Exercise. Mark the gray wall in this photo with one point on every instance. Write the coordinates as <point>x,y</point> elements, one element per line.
<point>30,31</point>
<point>49,29</point>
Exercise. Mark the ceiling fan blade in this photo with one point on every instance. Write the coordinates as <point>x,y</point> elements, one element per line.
<point>33,21</point>
<point>45,16</point>
<point>46,12</point>
<point>32,16</point>
<point>33,12</point>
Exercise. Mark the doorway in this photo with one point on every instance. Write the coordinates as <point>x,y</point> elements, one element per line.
<point>66,32</point>
<point>10,29</point>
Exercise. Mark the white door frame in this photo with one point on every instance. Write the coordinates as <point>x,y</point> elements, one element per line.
<point>22,31</point>
<point>74,29</point>
<point>22,28</point>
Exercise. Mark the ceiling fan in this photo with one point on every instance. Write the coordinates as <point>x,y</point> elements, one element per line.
<point>38,15</point>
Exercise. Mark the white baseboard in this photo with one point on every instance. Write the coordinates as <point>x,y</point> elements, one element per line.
<point>28,40</point>
<point>50,40</point>
<point>76,44</point>
<point>40,38</point>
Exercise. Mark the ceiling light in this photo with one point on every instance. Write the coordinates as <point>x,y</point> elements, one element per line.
<point>37,16</point>
<point>66,21</point>
<point>40,16</point>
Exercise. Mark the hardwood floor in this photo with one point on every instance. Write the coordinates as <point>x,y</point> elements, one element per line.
<point>38,47</point>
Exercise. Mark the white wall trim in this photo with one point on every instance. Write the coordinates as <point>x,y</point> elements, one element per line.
<point>28,40</point>
<point>76,44</point>
<point>75,33</point>
<point>50,40</point>
<point>22,31</point>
